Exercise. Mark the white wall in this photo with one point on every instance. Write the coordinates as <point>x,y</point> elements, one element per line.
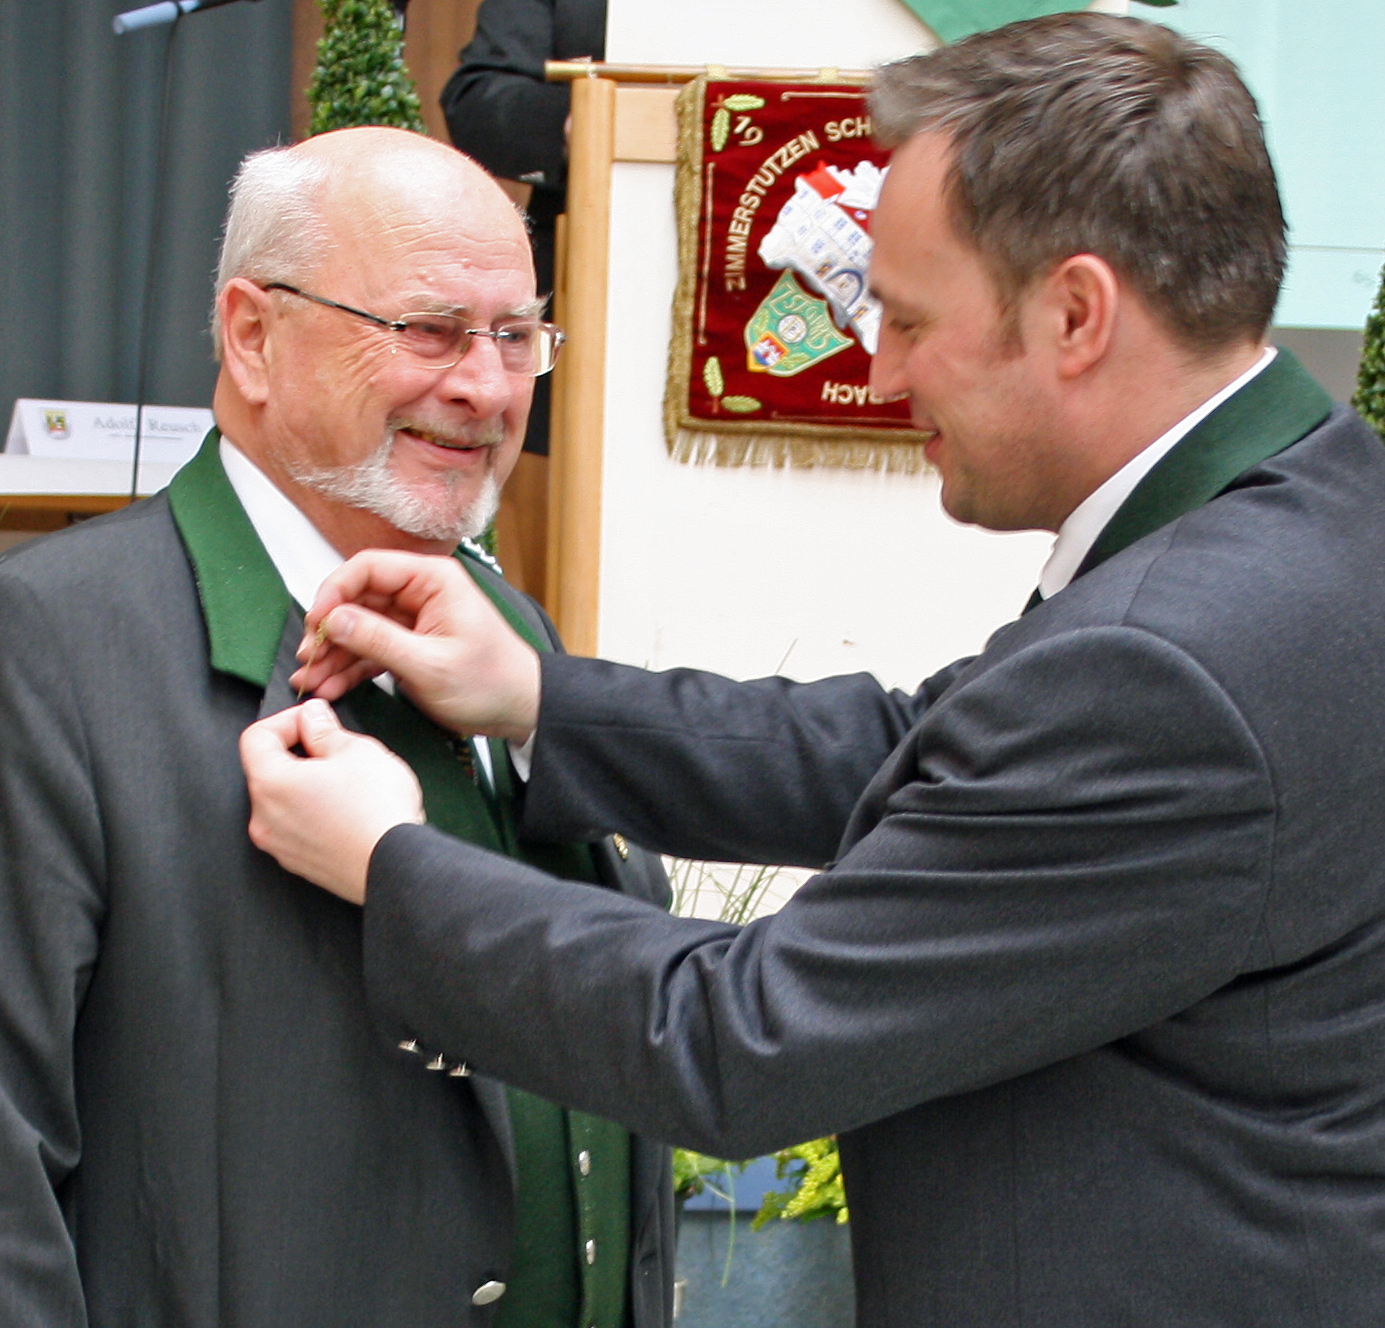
<point>732,569</point>
<point>735,570</point>
<point>1315,70</point>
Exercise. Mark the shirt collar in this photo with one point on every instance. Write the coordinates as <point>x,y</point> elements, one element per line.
<point>1087,520</point>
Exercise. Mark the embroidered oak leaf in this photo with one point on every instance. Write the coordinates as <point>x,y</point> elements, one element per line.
<point>712,376</point>
<point>743,101</point>
<point>741,405</point>
<point>721,128</point>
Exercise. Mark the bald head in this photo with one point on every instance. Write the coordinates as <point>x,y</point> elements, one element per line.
<point>294,209</point>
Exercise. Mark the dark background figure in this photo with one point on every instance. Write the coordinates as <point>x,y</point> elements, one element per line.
<point>500,111</point>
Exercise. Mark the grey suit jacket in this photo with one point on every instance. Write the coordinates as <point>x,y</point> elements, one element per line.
<point>1093,984</point>
<point>201,1122</point>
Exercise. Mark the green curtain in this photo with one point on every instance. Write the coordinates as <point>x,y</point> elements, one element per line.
<point>78,114</point>
<point>952,19</point>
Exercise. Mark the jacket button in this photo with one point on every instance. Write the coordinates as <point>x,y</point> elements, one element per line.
<point>621,846</point>
<point>487,1292</point>
<point>590,1251</point>
<point>410,1045</point>
<point>584,1162</point>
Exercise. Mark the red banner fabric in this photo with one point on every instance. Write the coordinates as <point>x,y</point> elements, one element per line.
<point>780,325</point>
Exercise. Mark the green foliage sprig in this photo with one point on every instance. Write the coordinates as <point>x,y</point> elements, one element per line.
<point>1369,397</point>
<point>361,78</point>
<point>695,1172</point>
<point>814,1171</point>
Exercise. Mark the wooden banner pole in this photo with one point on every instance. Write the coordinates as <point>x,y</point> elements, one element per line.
<point>574,535</point>
<point>562,71</point>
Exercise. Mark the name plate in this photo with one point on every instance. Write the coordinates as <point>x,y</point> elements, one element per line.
<point>105,431</point>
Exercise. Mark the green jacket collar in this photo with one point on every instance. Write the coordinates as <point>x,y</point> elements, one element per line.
<point>244,601</point>
<point>1273,411</point>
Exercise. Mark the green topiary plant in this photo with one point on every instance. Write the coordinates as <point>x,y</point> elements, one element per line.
<point>360,77</point>
<point>1369,398</point>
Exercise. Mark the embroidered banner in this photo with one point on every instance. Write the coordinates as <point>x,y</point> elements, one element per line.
<point>773,324</point>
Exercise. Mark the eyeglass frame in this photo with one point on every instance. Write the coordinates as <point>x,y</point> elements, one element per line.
<point>400,325</point>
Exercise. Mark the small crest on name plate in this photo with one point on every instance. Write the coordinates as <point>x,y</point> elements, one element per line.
<point>55,422</point>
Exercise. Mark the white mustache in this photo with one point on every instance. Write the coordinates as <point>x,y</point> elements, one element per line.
<point>489,433</point>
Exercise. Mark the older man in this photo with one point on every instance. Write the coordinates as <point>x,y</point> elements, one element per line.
<point>201,1122</point>
<point>1091,982</point>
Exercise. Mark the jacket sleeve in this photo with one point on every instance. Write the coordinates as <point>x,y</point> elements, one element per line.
<point>499,109</point>
<point>1073,846</point>
<point>51,909</point>
<point>635,871</point>
<point>698,766</point>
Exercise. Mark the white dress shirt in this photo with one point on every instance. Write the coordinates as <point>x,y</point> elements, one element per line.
<point>300,552</point>
<point>1089,518</point>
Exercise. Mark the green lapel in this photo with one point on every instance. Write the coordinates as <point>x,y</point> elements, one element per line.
<point>244,601</point>
<point>1271,412</point>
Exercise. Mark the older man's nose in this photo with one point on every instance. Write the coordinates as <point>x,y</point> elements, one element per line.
<point>480,379</point>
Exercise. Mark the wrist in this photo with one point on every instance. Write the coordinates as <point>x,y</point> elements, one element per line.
<point>521,712</point>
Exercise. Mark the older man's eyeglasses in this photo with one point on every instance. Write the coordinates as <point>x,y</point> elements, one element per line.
<point>439,341</point>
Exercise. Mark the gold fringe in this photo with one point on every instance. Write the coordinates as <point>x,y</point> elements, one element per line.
<point>761,449</point>
<point>746,442</point>
<point>686,199</point>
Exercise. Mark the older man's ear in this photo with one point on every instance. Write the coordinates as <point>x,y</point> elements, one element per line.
<point>245,313</point>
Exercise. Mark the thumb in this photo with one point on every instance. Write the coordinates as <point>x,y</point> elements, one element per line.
<point>320,729</point>
<point>371,636</point>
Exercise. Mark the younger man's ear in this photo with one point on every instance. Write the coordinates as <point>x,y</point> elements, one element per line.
<point>1083,295</point>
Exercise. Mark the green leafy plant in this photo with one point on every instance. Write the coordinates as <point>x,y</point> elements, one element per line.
<point>695,1172</point>
<point>361,78</point>
<point>814,1173</point>
<point>1369,397</point>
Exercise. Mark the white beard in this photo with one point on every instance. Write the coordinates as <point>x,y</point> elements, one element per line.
<point>434,514</point>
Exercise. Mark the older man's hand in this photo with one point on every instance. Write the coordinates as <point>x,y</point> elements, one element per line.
<point>322,814</point>
<point>425,621</point>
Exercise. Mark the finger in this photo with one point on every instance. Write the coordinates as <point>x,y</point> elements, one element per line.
<point>322,733</point>
<point>332,678</point>
<point>407,577</point>
<point>324,661</point>
<point>372,637</point>
<point>267,743</point>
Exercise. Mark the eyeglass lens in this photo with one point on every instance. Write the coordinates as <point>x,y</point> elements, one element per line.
<point>525,347</point>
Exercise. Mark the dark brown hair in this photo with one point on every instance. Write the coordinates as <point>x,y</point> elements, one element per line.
<point>1089,133</point>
